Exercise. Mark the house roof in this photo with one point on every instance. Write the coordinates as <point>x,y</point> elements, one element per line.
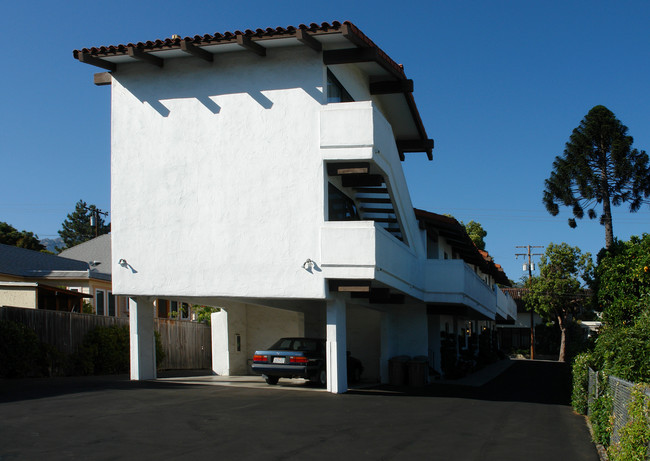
<point>21,262</point>
<point>97,250</point>
<point>456,235</point>
<point>340,43</point>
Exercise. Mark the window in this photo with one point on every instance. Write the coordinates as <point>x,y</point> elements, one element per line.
<point>111,304</point>
<point>335,91</point>
<point>340,206</point>
<point>99,302</point>
<point>179,310</point>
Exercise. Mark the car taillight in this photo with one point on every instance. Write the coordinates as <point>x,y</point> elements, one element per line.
<point>260,358</point>
<point>298,360</point>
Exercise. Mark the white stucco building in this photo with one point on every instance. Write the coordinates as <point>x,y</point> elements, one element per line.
<point>260,171</point>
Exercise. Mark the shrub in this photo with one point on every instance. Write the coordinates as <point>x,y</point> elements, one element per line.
<point>625,351</point>
<point>106,350</point>
<point>635,435</point>
<point>580,392</point>
<point>601,417</point>
<point>20,351</point>
<point>623,280</point>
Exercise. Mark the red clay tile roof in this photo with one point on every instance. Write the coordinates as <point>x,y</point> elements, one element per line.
<point>349,30</point>
<point>231,37</point>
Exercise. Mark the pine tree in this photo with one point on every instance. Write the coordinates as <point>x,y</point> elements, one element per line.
<point>77,227</point>
<point>598,167</point>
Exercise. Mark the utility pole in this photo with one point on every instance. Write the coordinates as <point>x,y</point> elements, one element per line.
<point>530,276</point>
<point>94,217</point>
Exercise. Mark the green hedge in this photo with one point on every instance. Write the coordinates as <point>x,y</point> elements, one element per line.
<point>105,351</point>
<point>580,391</point>
<point>20,351</point>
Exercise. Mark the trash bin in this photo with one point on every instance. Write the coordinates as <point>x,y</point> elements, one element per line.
<point>418,369</point>
<point>397,372</point>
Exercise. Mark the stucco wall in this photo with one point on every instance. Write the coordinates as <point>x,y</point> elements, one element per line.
<point>18,297</point>
<point>217,181</point>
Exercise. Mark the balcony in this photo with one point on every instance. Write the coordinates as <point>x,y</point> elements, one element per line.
<point>506,307</point>
<point>452,282</point>
<point>355,131</point>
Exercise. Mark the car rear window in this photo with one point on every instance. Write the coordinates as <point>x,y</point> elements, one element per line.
<point>295,344</point>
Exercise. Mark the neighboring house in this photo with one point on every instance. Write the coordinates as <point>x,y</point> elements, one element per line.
<point>35,280</point>
<point>260,172</point>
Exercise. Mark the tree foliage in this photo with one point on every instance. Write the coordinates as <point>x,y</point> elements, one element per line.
<point>476,233</point>
<point>598,168</point>
<point>9,235</point>
<point>77,229</point>
<point>558,294</point>
<point>623,281</point>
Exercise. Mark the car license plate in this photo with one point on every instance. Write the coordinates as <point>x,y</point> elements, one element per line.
<point>278,360</point>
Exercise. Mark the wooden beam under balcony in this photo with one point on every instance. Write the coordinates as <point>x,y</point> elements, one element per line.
<point>362,180</point>
<point>97,62</point>
<point>391,87</point>
<point>306,39</point>
<point>250,45</point>
<point>349,286</point>
<point>145,57</point>
<point>384,296</point>
<point>386,220</point>
<point>196,51</point>
<point>334,169</point>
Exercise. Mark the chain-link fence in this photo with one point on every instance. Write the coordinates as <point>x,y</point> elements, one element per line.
<point>621,392</point>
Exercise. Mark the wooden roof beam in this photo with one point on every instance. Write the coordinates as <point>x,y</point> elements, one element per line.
<point>250,45</point>
<point>102,78</point>
<point>349,56</point>
<point>415,145</point>
<point>145,57</point>
<point>93,61</point>
<point>391,86</point>
<point>191,48</point>
<point>306,39</point>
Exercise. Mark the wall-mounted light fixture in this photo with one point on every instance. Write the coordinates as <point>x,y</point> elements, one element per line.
<point>308,265</point>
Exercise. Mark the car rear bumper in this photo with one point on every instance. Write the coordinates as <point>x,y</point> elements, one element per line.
<point>285,371</point>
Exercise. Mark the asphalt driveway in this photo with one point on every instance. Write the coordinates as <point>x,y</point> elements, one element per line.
<point>523,414</point>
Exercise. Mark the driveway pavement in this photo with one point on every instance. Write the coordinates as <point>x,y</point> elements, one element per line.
<point>523,414</point>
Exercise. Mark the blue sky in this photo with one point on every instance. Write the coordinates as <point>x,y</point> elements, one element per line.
<point>500,86</point>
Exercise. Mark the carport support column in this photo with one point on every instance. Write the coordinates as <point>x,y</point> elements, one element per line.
<point>337,375</point>
<point>143,343</point>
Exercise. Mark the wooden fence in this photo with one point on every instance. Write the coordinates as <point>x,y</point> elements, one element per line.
<point>187,344</point>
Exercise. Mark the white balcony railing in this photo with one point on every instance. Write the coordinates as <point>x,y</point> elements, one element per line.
<point>506,306</point>
<point>451,281</point>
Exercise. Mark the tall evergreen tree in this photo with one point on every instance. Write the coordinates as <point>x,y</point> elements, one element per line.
<point>598,167</point>
<point>77,227</point>
<point>9,235</point>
